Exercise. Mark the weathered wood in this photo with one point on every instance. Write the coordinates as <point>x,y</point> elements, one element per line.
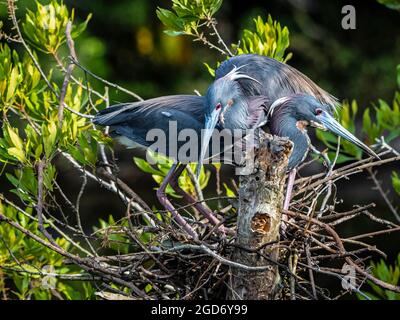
<point>261,196</point>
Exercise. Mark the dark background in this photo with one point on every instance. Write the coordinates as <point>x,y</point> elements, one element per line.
<point>125,44</point>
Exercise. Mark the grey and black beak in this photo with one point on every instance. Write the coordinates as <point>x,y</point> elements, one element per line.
<point>334,126</point>
<point>210,124</point>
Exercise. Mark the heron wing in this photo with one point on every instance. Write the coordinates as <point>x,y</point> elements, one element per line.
<point>258,111</point>
<point>136,120</point>
<point>278,79</point>
<point>155,110</point>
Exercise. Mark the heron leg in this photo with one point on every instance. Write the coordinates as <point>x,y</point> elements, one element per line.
<point>288,196</point>
<point>199,207</point>
<point>162,197</point>
<point>289,189</point>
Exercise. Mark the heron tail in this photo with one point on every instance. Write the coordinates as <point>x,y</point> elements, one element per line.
<point>108,116</point>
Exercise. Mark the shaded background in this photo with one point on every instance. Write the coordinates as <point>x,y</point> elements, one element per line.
<point>125,44</point>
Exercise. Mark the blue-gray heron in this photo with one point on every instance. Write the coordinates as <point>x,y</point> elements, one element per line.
<point>249,91</point>
<point>292,102</point>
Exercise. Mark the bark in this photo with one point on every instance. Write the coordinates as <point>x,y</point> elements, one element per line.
<point>261,196</point>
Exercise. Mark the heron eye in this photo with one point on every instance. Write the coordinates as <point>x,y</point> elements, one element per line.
<point>218,106</point>
<point>318,112</point>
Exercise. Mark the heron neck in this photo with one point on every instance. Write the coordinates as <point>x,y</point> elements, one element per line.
<point>285,126</point>
<point>237,115</point>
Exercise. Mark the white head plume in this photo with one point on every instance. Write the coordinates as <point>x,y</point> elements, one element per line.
<point>234,74</point>
<point>275,104</point>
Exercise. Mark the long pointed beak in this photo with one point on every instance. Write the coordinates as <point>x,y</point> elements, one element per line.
<point>210,123</point>
<point>331,124</point>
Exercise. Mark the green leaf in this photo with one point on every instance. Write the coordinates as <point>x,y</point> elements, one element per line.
<point>209,69</point>
<point>396,182</point>
<point>170,20</point>
<point>15,139</point>
<point>148,288</point>
<point>229,192</point>
<point>17,153</point>
<point>145,166</point>
<point>49,132</point>
<point>78,29</point>
<point>13,83</point>
<point>268,39</point>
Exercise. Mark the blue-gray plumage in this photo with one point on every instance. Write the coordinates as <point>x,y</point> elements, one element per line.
<point>249,92</point>
<point>290,116</point>
<point>274,79</point>
<point>278,85</point>
<point>131,122</point>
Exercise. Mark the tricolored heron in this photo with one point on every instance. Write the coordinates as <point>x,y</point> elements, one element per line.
<point>241,98</point>
<point>294,97</point>
<point>131,124</point>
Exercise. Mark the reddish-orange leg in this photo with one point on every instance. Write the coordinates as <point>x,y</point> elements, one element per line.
<point>162,197</point>
<point>200,207</point>
<point>288,197</point>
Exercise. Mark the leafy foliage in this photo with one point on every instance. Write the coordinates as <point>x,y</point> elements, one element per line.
<point>45,28</point>
<point>389,274</point>
<point>163,165</point>
<point>268,39</point>
<point>396,182</point>
<point>23,144</point>
<point>392,4</point>
<point>380,120</point>
<point>31,135</point>
<point>186,15</point>
<point>26,263</point>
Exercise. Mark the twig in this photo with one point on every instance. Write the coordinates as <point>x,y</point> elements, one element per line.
<point>342,250</point>
<point>134,197</point>
<point>48,221</point>
<point>196,184</point>
<point>346,167</point>
<point>372,234</point>
<point>113,85</point>
<point>89,265</point>
<point>310,272</point>
<point>347,213</point>
<point>381,142</point>
<point>39,206</point>
<point>383,194</point>
<point>70,68</point>
<point>75,80</point>
<point>199,36</point>
<point>340,173</point>
<point>222,260</point>
<point>213,24</point>
<point>78,216</point>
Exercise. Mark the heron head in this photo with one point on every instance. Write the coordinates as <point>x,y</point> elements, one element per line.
<point>308,111</point>
<point>225,106</point>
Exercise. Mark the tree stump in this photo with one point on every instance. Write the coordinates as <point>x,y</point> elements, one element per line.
<point>261,196</point>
